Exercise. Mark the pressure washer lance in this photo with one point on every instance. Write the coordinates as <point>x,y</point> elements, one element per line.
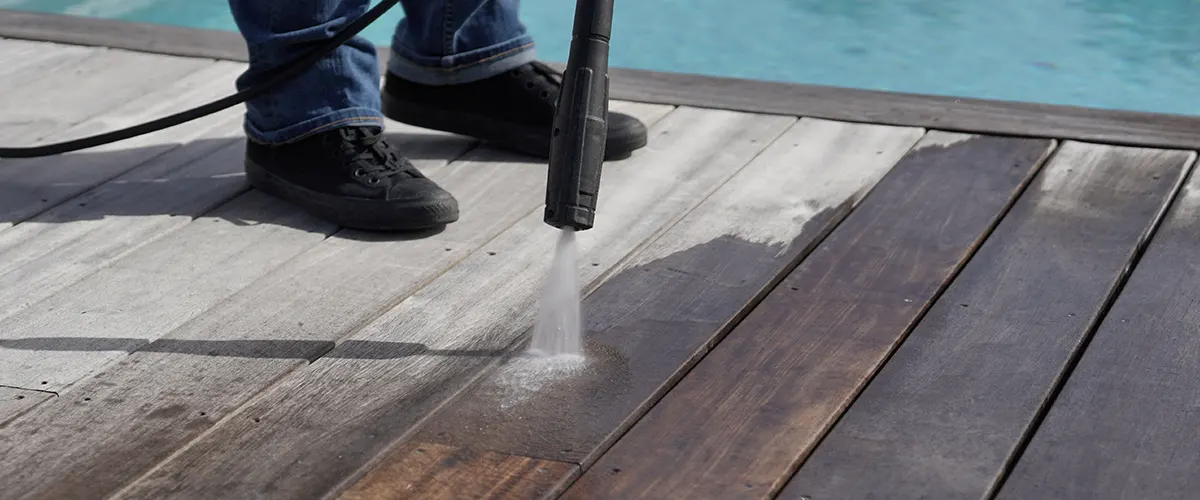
<point>580,122</point>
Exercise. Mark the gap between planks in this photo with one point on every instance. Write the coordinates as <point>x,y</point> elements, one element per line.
<point>154,402</point>
<point>1123,424</point>
<point>454,326</point>
<point>206,261</point>
<point>31,186</point>
<point>739,422</point>
<point>648,324</point>
<point>944,416</point>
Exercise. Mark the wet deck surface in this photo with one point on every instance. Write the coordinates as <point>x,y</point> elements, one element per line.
<point>777,306</point>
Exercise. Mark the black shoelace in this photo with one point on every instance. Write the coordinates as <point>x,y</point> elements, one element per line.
<point>371,157</point>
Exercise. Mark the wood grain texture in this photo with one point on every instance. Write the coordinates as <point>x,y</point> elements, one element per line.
<point>472,475</point>
<point>26,61</point>
<point>1124,424</point>
<point>737,424</point>
<point>133,302</point>
<point>156,400</point>
<point>948,410</point>
<point>15,401</point>
<point>60,98</point>
<point>65,244</point>
<point>382,381</point>
<point>157,288</point>
<point>647,325</point>
<point>31,186</point>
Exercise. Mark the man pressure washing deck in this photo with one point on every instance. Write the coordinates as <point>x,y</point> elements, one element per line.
<point>460,66</point>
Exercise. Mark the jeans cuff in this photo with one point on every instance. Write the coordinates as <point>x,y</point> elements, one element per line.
<point>325,122</point>
<point>462,68</point>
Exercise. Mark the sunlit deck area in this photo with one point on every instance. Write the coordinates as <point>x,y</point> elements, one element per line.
<point>793,292</point>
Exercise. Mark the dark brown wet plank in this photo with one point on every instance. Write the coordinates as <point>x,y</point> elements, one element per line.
<point>648,324</point>
<point>739,422</point>
<point>948,410</point>
<point>1125,424</point>
<point>455,473</point>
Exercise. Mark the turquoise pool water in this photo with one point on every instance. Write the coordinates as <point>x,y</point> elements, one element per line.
<point>1123,54</point>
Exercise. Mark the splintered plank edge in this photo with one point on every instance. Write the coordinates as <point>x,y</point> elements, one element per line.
<point>651,321</point>
<point>948,410</point>
<point>370,389</point>
<point>468,474</point>
<point>738,423</point>
<point>1124,424</point>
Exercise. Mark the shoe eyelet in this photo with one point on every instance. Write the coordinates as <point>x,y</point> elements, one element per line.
<point>529,85</point>
<point>360,172</point>
<point>373,181</point>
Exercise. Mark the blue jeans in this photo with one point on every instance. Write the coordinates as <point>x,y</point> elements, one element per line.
<point>439,42</point>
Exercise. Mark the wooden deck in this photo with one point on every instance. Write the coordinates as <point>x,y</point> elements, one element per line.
<point>778,306</point>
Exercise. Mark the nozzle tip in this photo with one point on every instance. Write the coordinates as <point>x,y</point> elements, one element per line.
<point>572,216</point>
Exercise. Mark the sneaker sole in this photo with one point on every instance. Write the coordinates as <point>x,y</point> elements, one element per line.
<point>528,140</point>
<point>355,213</point>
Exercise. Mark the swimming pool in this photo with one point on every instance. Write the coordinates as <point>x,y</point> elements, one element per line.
<point>1118,54</point>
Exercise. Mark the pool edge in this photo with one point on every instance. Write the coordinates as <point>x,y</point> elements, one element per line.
<point>1132,128</point>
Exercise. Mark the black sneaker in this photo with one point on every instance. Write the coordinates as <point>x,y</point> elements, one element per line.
<point>352,177</point>
<point>514,110</point>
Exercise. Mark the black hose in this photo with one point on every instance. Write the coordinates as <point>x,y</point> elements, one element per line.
<point>289,72</point>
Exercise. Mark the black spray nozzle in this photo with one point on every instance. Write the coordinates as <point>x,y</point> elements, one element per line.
<point>580,121</point>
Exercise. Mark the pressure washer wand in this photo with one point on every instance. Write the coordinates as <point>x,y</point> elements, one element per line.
<point>580,121</point>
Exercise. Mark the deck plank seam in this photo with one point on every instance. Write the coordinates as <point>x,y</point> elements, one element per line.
<point>787,476</point>
<point>367,320</point>
<point>733,322</point>
<point>5,386</point>
<point>582,466</point>
<point>118,172</point>
<point>1077,353</point>
<point>512,348</point>
<point>234,197</point>
<point>80,119</point>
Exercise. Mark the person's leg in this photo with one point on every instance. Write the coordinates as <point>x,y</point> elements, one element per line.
<point>468,67</point>
<point>341,89</point>
<point>446,42</point>
<point>315,140</point>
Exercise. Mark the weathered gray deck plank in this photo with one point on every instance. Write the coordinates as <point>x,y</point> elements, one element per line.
<point>152,402</point>
<point>30,186</point>
<point>61,98</point>
<point>23,62</point>
<point>383,379</point>
<point>145,295</point>
<point>72,240</point>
